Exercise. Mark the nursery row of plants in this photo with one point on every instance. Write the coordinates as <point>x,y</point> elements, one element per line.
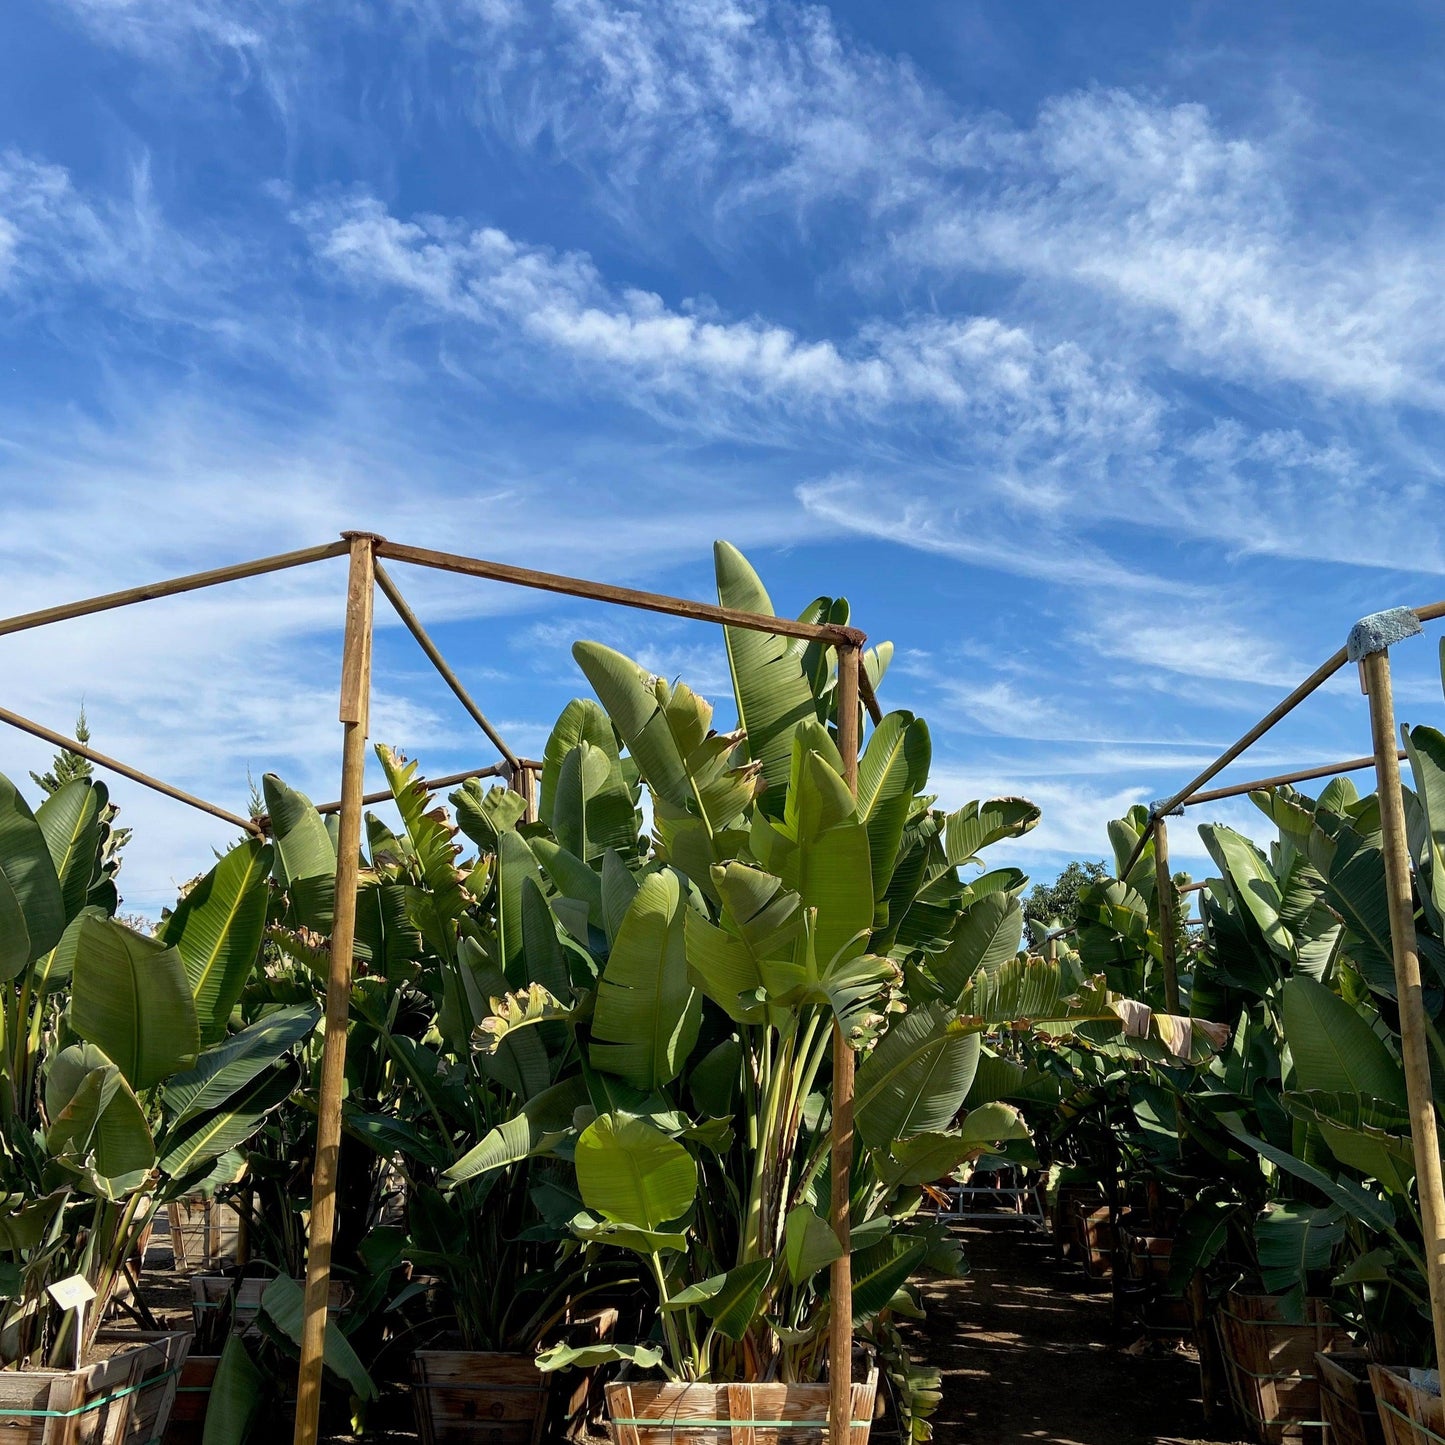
<point>589,1085</point>
<point>1267,1199</point>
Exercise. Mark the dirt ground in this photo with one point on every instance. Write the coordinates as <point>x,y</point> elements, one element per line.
<point>1027,1350</point>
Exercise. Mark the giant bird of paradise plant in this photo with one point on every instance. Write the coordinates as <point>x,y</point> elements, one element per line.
<point>125,1082</point>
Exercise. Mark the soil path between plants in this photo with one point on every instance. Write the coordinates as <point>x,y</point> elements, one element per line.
<point>1029,1354</point>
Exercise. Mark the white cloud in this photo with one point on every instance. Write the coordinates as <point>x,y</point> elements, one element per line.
<point>1029,403</point>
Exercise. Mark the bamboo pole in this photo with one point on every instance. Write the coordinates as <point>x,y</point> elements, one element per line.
<point>74,745</point>
<point>413,624</point>
<point>870,698</point>
<point>1280,780</point>
<point>383,795</point>
<point>190,583</point>
<point>1375,674</point>
<point>1164,886</point>
<point>522,781</point>
<point>355,700</point>
<point>829,633</point>
<point>840,1319</point>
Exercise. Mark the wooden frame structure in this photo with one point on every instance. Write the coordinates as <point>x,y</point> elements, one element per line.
<point>1374,663</point>
<point>365,575</point>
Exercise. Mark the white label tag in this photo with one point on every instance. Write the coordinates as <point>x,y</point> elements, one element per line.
<point>71,1293</point>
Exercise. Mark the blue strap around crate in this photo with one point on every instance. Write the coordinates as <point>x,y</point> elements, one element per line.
<point>1410,1420</point>
<point>99,1403</point>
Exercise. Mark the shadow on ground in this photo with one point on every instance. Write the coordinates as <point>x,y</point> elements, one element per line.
<point>1029,1354</point>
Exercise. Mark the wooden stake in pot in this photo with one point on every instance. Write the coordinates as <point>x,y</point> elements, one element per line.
<point>840,1322</point>
<point>1164,885</point>
<point>1375,678</point>
<point>355,700</point>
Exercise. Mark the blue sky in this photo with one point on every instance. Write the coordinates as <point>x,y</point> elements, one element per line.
<point>1093,350</point>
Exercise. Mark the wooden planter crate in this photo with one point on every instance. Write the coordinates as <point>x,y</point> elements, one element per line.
<point>1147,1259</point>
<point>193,1394</point>
<point>1270,1364</point>
<point>1098,1239</point>
<point>658,1412</point>
<point>1408,1414</point>
<point>125,1400</point>
<point>1069,1202</point>
<point>1347,1401</point>
<point>466,1396</point>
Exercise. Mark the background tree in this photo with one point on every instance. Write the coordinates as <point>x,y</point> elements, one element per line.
<point>1057,903</point>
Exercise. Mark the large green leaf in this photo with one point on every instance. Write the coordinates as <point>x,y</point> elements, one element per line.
<point>26,863</point>
<point>986,937</point>
<point>1426,749</point>
<point>881,1270</point>
<point>230,1124</point>
<point>1335,1052</point>
<point>580,721</point>
<point>1295,1241</point>
<point>70,820</point>
<point>668,733</point>
<point>809,1243</point>
<point>588,1357</point>
<point>592,808</point>
<point>1333,1048</point>
<point>1357,1201</point>
<point>761,941</point>
<point>434,848</point>
<point>729,1300</point>
<point>95,1116</point>
<point>630,1172</point>
<point>819,848</point>
<point>647,1013</point>
<point>305,859</point>
<point>1252,883</point>
<point>484,815</point>
<point>14,933</point>
<point>925,1158</point>
<point>1034,991</point>
<point>228,1067</point>
<point>1353,868</point>
<point>237,1391</point>
<point>916,1079</point>
<point>543,1120</point>
<point>284,1302</point>
<point>769,682</point>
<point>217,930</point>
<point>516,866</point>
<point>893,769</point>
<point>130,998</point>
<point>976,826</point>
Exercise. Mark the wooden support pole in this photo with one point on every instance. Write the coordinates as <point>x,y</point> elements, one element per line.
<point>1164,887</point>
<point>74,745</point>
<point>870,698</point>
<point>523,781</point>
<point>829,633</point>
<point>1375,675</point>
<point>355,700</point>
<point>413,625</point>
<point>840,1320</point>
<point>190,583</point>
<point>1280,780</point>
<point>383,795</point>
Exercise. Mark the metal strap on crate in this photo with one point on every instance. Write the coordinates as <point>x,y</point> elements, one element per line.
<point>99,1403</point>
